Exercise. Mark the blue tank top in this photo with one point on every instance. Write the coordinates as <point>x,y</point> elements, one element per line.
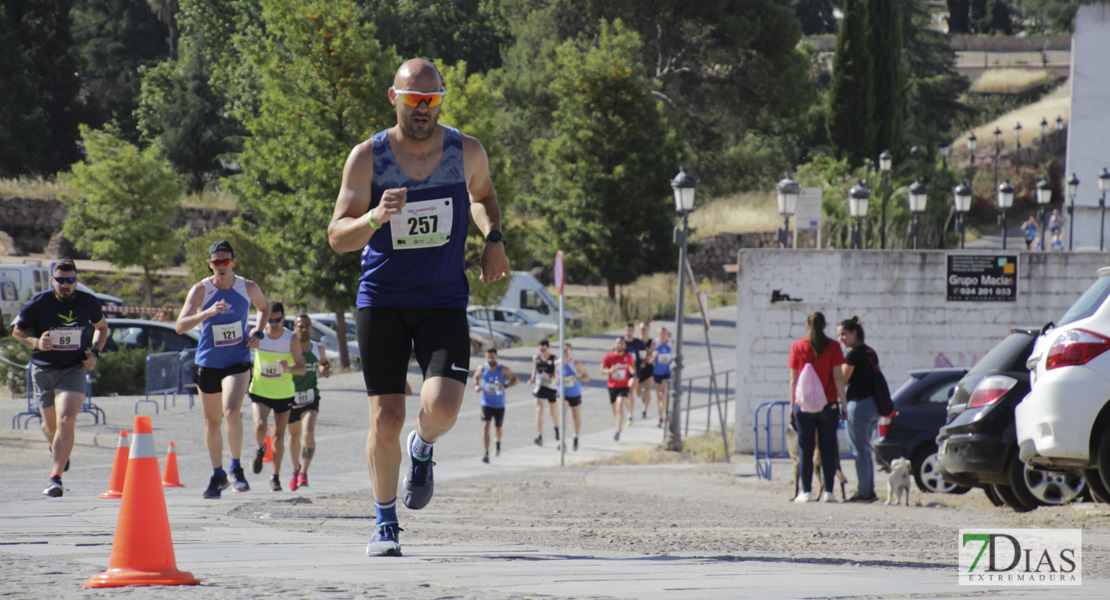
<point>663,359</point>
<point>418,258</point>
<point>571,390</point>
<point>223,338</point>
<point>492,395</point>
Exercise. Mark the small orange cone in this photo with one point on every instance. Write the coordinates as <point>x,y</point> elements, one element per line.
<point>169,474</point>
<point>119,469</point>
<point>142,553</point>
<point>269,457</point>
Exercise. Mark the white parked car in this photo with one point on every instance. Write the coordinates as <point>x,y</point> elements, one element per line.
<point>500,339</point>
<point>1064,422</point>
<point>515,322</point>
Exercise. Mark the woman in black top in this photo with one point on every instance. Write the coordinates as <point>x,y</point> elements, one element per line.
<point>860,365</point>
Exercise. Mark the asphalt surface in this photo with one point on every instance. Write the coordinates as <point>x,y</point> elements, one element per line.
<point>50,547</point>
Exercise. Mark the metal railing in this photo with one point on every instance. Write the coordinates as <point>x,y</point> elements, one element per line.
<point>716,399</point>
<point>776,432</point>
<point>32,410</point>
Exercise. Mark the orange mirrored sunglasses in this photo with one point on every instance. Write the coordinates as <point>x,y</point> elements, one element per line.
<point>415,98</point>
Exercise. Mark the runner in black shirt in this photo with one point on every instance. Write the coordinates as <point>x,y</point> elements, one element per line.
<point>67,330</point>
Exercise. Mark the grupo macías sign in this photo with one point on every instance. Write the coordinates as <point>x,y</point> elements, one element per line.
<point>982,277</point>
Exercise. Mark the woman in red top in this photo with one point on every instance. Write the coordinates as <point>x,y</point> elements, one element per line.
<point>826,356</point>
<point>619,366</point>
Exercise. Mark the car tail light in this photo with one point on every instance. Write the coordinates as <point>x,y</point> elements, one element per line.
<point>990,390</point>
<point>885,422</point>
<point>1076,347</point>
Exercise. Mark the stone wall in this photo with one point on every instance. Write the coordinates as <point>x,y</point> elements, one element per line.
<point>34,226</point>
<point>708,256</point>
<point>901,299</point>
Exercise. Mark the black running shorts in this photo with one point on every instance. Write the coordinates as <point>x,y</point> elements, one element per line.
<point>615,393</point>
<point>388,336</point>
<point>496,414</point>
<point>211,380</point>
<point>574,400</point>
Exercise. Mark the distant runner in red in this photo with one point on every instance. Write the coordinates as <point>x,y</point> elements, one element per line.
<point>620,367</point>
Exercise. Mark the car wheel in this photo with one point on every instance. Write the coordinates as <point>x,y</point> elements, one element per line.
<point>1006,493</point>
<point>1054,487</point>
<point>1096,487</point>
<point>993,495</point>
<point>926,471</point>
<point>1103,458</point>
<point>1015,472</point>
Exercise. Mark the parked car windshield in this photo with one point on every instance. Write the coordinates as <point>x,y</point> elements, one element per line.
<point>1088,303</point>
<point>1008,355</point>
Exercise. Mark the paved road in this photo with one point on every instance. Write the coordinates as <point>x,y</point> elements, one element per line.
<point>49,547</point>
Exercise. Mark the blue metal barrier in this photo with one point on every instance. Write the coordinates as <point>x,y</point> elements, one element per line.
<point>763,456</point>
<point>161,378</point>
<point>185,383</point>
<point>32,410</point>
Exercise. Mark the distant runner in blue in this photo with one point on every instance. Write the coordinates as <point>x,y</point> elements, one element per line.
<point>661,359</point>
<point>406,200</point>
<point>491,380</point>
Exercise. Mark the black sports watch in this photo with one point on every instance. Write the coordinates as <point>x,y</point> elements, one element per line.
<point>95,351</point>
<point>494,236</point>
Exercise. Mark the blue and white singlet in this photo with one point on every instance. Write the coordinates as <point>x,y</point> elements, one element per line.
<point>223,336</point>
<point>492,394</point>
<point>571,389</point>
<point>663,360</point>
<point>417,259</point>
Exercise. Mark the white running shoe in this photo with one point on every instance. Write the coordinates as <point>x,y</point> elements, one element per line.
<point>804,497</point>
<point>828,497</point>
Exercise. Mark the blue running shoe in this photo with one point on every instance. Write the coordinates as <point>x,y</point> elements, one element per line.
<point>54,489</point>
<point>386,540</point>
<point>418,485</point>
<point>240,482</point>
<point>216,485</point>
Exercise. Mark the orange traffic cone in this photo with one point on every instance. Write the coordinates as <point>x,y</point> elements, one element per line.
<point>169,474</point>
<point>269,457</point>
<point>142,553</point>
<point>119,469</point>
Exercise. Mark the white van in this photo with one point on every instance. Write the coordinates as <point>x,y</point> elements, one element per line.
<point>19,282</point>
<point>530,297</point>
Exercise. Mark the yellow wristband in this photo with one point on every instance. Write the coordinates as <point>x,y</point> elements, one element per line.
<point>370,217</point>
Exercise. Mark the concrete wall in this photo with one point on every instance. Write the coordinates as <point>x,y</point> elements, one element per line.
<point>900,296</point>
<point>1089,124</point>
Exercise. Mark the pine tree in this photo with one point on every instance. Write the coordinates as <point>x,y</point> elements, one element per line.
<point>887,80</point>
<point>851,103</point>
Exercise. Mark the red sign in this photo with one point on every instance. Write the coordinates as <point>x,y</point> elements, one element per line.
<point>559,272</point>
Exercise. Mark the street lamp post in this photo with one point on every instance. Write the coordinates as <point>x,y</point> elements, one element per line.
<point>1017,136</point>
<point>787,192</point>
<point>972,143</point>
<point>858,197</point>
<point>1044,130</point>
<point>943,150</point>
<point>997,153</point>
<point>884,166</point>
<point>962,196</point>
<point>684,185</point>
<point>1073,191</point>
<point>1005,201</point>
<point>919,194</point>
<point>1103,185</point>
<point>1044,196</point>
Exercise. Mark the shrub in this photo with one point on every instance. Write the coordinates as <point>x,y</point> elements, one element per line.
<point>121,372</point>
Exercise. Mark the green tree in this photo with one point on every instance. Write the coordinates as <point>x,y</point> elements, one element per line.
<point>127,199</point>
<point>816,16</point>
<point>731,75</point>
<point>605,170</point>
<point>324,80</point>
<point>1049,16</point>
<point>887,78</point>
<point>38,75</point>
<point>959,17</point>
<point>115,38</point>
<point>180,113</point>
<point>933,87</point>
<point>851,104</point>
<point>470,31</point>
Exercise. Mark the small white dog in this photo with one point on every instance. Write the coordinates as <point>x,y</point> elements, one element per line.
<point>898,481</point>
